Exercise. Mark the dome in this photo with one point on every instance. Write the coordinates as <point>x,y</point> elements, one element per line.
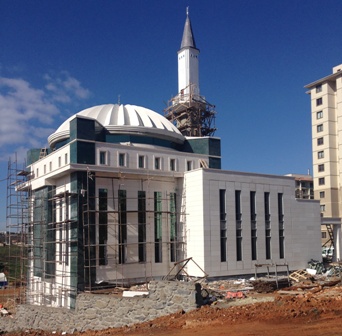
<point>123,119</point>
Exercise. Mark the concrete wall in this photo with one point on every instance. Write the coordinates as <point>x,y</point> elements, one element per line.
<point>99,311</point>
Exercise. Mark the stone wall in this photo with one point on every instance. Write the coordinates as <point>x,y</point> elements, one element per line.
<point>100,311</point>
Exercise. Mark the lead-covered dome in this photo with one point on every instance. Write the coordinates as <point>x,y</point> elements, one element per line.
<point>123,119</point>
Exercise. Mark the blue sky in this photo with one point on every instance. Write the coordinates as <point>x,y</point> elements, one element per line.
<point>59,57</point>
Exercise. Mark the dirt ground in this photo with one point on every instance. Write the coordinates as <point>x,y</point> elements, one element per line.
<point>316,311</point>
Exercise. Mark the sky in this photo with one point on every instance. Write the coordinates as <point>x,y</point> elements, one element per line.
<point>60,57</point>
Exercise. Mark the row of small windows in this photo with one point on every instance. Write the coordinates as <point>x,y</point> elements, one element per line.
<point>51,165</point>
<point>142,161</point>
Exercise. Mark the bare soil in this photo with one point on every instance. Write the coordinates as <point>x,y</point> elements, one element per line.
<point>316,311</point>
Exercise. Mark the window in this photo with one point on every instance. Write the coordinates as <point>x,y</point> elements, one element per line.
<point>66,158</point>
<point>44,169</point>
<point>318,88</point>
<point>141,161</point>
<point>122,227</point>
<point>320,141</point>
<point>324,235</point>
<point>173,227</point>
<point>253,225</point>
<point>322,207</point>
<point>50,166</point>
<point>122,159</point>
<point>103,158</point>
<point>320,128</point>
<point>158,227</point>
<point>319,115</point>
<point>267,225</point>
<point>320,154</point>
<point>37,172</point>
<point>319,101</point>
<point>59,162</point>
<point>321,194</point>
<point>321,181</point>
<point>223,225</point>
<point>238,225</point>
<point>189,165</point>
<point>281,226</point>
<point>157,163</point>
<point>172,164</point>
<point>142,226</point>
<point>321,168</point>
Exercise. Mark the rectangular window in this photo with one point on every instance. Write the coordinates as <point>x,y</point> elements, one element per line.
<point>321,168</point>
<point>281,226</point>
<point>103,226</point>
<point>37,172</point>
<point>253,225</point>
<point>189,165</point>
<point>173,227</point>
<point>321,181</point>
<point>322,194</point>
<point>319,101</point>
<point>320,128</point>
<point>319,115</point>
<point>172,164</point>
<point>158,227</point>
<point>50,166</point>
<point>66,158</point>
<point>59,162</point>
<point>142,226</point>
<point>103,158</point>
<point>122,237</point>
<point>322,207</point>
<point>324,235</point>
<point>238,217</point>
<point>320,141</point>
<point>267,224</point>
<point>223,225</point>
<point>320,154</point>
<point>141,161</point>
<point>44,169</point>
<point>318,88</point>
<point>157,163</point>
<point>122,159</point>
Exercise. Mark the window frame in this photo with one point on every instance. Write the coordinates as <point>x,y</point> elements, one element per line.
<point>103,155</point>
<point>321,181</point>
<point>319,101</point>
<point>320,154</point>
<point>157,163</point>
<point>319,115</point>
<point>321,167</point>
<point>319,128</point>
<point>122,160</point>
<point>320,141</point>
<point>141,161</point>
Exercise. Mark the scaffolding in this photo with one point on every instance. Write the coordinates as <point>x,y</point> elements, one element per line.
<point>16,248</point>
<point>192,114</point>
<point>116,220</point>
<point>69,242</point>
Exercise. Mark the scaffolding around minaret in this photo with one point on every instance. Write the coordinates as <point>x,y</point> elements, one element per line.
<point>191,113</point>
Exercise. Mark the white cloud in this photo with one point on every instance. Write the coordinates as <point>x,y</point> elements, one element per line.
<point>28,115</point>
<point>65,88</point>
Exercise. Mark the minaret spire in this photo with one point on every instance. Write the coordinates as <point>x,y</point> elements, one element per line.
<point>189,111</point>
<point>188,40</point>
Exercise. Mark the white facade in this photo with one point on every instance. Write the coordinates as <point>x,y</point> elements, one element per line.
<point>326,116</point>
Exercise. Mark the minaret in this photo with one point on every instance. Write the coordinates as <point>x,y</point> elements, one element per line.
<point>188,110</point>
<point>188,78</point>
